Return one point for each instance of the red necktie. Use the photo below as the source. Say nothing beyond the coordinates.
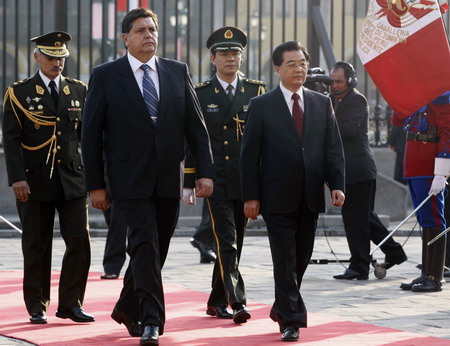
(297, 114)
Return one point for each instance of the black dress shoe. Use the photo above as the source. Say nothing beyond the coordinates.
(350, 274)
(427, 285)
(206, 254)
(219, 312)
(408, 285)
(107, 276)
(241, 315)
(38, 317)
(290, 333)
(150, 336)
(134, 327)
(76, 314)
(446, 273)
(391, 261)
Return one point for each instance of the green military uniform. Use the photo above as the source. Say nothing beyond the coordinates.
(225, 120)
(41, 142)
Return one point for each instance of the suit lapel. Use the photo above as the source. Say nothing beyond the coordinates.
(46, 98)
(282, 111)
(219, 96)
(238, 100)
(128, 81)
(307, 112)
(165, 90)
(64, 94)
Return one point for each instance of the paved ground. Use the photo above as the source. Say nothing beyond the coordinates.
(377, 302)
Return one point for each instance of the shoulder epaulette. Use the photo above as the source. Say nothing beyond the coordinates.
(21, 82)
(202, 84)
(73, 80)
(254, 81)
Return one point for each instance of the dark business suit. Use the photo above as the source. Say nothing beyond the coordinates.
(27, 138)
(144, 166)
(360, 221)
(287, 173)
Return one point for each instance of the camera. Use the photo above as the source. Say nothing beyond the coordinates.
(317, 80)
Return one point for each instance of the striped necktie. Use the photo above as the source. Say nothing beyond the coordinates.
(230, 92)
(150, 94)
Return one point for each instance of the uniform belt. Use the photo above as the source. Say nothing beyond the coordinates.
(422, 137)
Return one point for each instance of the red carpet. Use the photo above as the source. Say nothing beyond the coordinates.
(186, 323)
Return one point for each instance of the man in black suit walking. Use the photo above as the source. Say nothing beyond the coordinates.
(291, 147)
(139, 111)
(360, 221)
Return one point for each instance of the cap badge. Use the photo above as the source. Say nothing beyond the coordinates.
(228, 34)
(58, 44)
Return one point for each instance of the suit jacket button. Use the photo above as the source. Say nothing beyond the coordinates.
(59, 161)
(225, 127)
(226, 142)
(227, 158)
(58, 119)
(59, 133)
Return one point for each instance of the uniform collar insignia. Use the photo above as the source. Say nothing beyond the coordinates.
(40, 90)
(242, 90)
(216, 90)
(66, 90)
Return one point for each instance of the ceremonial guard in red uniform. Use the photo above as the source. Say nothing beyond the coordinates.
(426, 168)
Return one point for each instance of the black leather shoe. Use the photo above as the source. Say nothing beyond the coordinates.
(219, 312)
(206, 254)
(406, 286)
(290, 334)
(427, 285)
(107, 276)
(76, 314)
(241, 315)
(446, 273)
(391, 261)
(134, 327)
(350, 274)
(150, 336)
(38, 317)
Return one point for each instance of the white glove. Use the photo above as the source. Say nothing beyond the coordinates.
(438, 184)
(188, 196)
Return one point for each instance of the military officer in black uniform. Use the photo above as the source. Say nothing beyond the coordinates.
(224, 100)
(41, 130)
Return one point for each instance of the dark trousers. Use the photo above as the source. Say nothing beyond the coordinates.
(291, 238)
(229, 223)
(151, 223)
(204, 232)
(362, 225)
(37, 220)
(116, 240)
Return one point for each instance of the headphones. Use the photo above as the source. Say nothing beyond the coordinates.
(349, 72)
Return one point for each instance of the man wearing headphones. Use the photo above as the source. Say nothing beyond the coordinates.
(361, 223)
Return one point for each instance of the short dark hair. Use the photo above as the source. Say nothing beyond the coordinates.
(140, 12)
(277, 54)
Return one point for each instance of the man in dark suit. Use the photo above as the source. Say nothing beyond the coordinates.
(41, 134)
(360, 221)
(291, 148)
(139, 111)
(224, 100)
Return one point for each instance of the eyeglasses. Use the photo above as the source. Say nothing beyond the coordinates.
(296, 66)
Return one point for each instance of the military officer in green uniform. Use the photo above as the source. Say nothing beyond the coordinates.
(41, 131)
(224, 100)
